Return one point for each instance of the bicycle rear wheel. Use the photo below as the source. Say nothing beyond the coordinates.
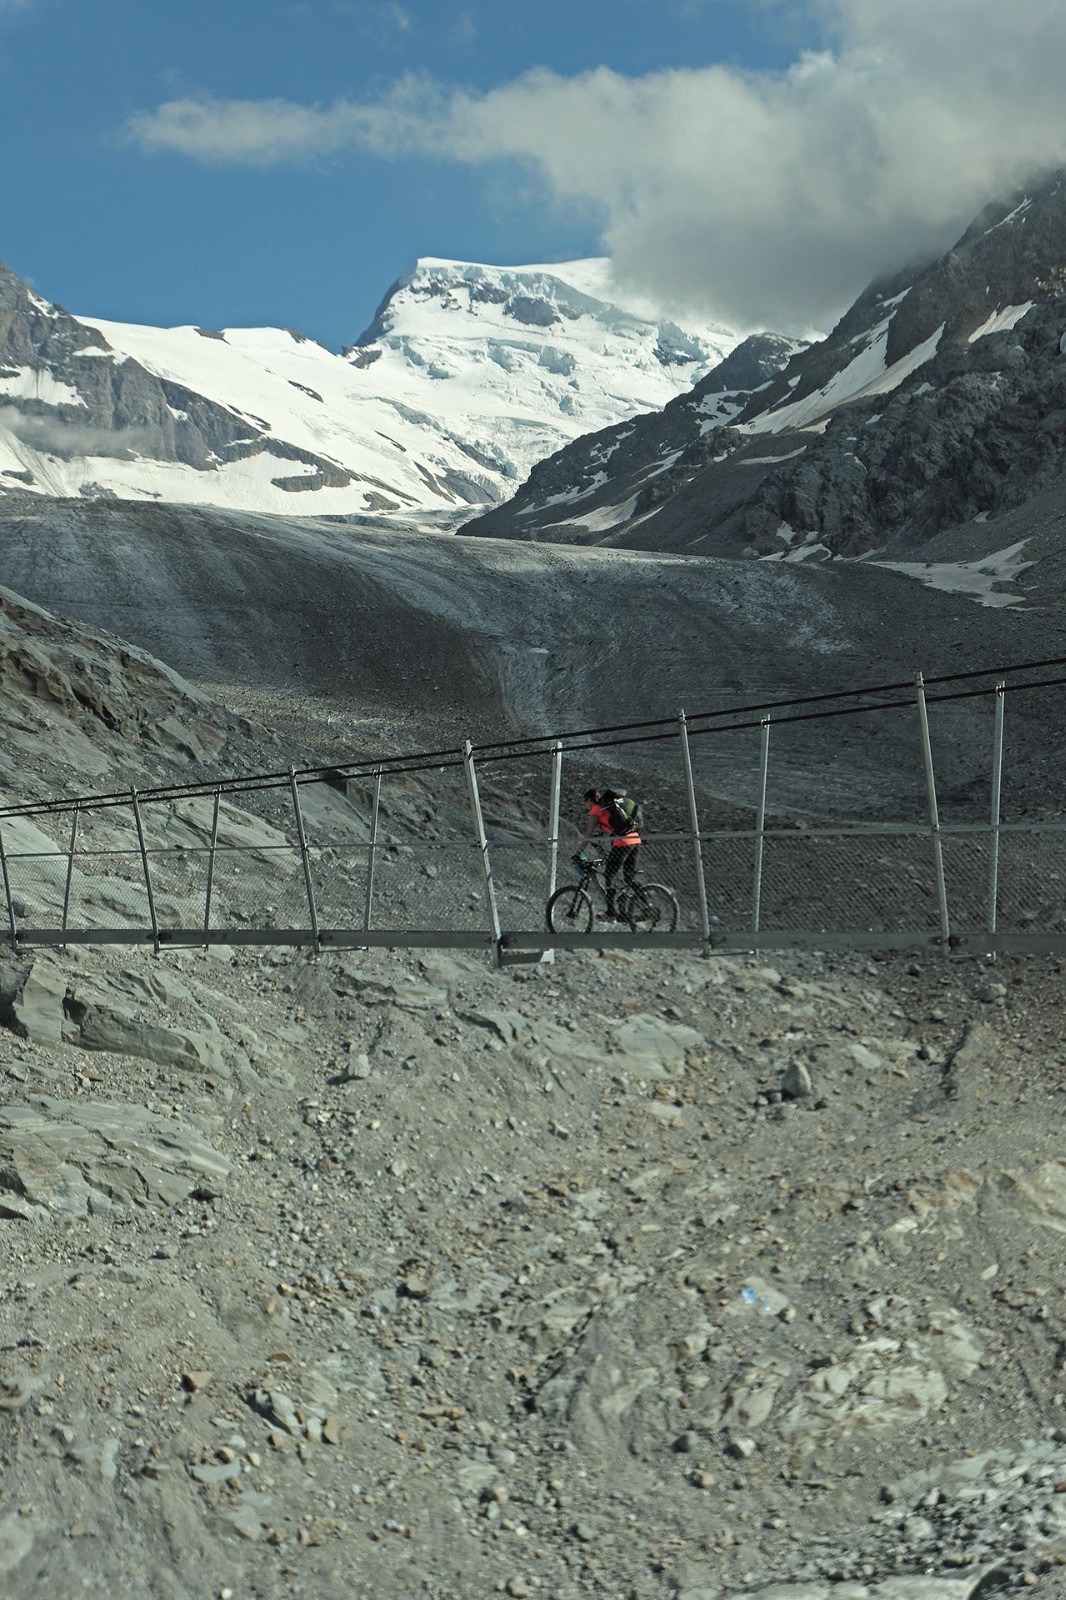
(652, 908)
(570, 910)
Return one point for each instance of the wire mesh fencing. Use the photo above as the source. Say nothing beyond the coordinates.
(472, 849)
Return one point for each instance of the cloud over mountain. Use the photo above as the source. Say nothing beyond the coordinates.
(765, 197)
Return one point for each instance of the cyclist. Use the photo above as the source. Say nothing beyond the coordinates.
(611, 814)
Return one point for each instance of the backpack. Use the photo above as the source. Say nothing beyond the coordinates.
(623, 815)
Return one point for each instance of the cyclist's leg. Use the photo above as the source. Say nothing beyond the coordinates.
(610, 872)
(632, 855)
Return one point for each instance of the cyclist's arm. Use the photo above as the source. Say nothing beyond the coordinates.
(592, 830)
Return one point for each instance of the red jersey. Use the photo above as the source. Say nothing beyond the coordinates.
(602, 816)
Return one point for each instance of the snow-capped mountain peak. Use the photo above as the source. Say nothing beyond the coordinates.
(517, 361)
(466, 377)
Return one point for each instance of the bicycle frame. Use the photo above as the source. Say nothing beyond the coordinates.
(635, 902)
(591, 872)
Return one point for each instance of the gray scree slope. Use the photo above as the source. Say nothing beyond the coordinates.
(676, 1281)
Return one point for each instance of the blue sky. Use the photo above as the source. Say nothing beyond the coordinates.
(108, 229)
(282, 161)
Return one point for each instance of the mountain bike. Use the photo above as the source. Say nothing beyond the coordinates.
(646, 907)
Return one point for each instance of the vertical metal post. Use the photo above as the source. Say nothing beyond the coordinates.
(760, 826)
(372, 857)
(997, 786)
(554, 810)
(12, 925)
(211, 867)
(483, 847)
(934, 814)
(694, 823)
(304, 858)
(147, 869)
(70, 866)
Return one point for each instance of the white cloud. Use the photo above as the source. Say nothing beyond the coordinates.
(768, 197)
(252, 132)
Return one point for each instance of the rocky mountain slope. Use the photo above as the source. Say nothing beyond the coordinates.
(604, 483)
(467, 376)
(382, 1274)
(938, 400)
(367, 640)
(83, 710)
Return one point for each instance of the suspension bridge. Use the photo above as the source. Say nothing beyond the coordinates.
(447, 848)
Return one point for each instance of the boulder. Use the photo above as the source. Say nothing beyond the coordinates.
(47, 1004)
(653, 1047)
(96, 1156)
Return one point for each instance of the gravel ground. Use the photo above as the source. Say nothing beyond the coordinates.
(385, 1275)
(599, 1278)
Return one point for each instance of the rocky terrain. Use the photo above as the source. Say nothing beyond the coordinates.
(392, 1274)
(600, 1279)
(610, 479)
(370, 638)
(660, 1277)
(937, 401)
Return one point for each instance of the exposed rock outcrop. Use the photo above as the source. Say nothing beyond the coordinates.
(939, 398)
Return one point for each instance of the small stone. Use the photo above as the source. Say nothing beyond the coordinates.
(354, 1071)
(245, 1520)
(331, 1432)
(97, 1459)
(687, 1444)
(796, 1083)
(741, 1447)
(211, 1473)
(519, 1588)
(196, 1380)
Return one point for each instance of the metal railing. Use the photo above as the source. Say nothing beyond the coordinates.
(454, 850)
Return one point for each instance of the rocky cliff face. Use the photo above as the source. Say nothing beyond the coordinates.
(970, 432)
(608, 482)
(65, 394)
(939, 398)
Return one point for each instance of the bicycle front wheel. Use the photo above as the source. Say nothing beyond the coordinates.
(652, 908)
(570, 911)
